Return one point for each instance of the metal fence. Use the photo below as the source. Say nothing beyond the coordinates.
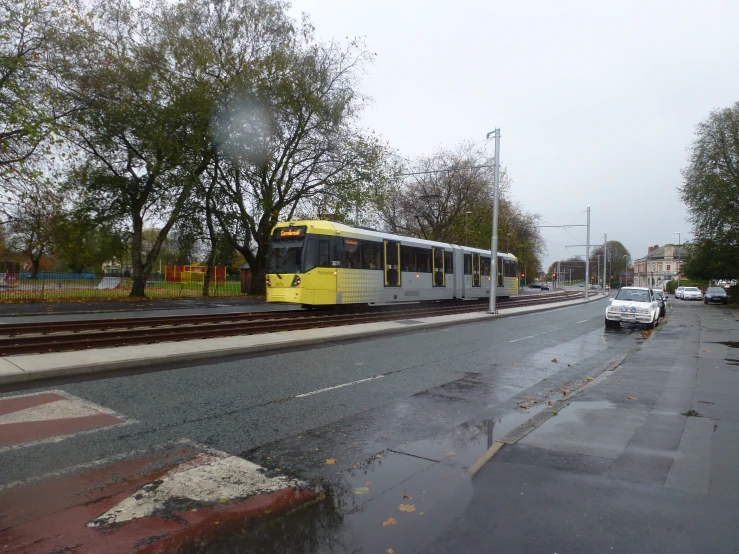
(53, 287)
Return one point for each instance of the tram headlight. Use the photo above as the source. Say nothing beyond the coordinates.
(269, 283)
(296, 281)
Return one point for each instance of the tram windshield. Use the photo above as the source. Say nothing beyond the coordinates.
(285, 256)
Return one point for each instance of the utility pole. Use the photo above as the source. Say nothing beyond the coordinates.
(587, 258)
(494, 245)
(558, 274)
(679, 256)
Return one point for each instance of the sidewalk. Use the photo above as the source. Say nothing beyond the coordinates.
(33, 367)
(644, 459)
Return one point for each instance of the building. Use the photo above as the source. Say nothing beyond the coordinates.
(661, 264)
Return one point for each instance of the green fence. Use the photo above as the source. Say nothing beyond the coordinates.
(60, 287)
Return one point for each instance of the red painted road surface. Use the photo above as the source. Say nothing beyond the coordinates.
(53, 515)
(49, 415)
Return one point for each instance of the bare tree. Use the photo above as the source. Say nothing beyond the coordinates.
(31, 218)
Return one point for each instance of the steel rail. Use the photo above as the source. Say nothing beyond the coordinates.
(287, 321)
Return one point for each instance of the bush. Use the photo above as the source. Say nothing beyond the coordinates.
(733, 293)
(670, 286)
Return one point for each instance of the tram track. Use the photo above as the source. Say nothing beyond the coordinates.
(35, 338)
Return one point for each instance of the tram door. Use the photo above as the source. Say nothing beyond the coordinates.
(475, 270)
(500, 271)
(438, 269)
(391, 251)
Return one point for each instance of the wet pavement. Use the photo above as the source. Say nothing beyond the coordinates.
(383, 429)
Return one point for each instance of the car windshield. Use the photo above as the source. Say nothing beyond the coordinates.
(657, 293)
(633, 295)
(692, 289)
(716, 290)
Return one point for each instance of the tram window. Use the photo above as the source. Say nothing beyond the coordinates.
(371, 255)
(316, 254)
(468, 264)
(423, 260)
(416, 259)
(448, 263)
(486, 267)
(352, 255)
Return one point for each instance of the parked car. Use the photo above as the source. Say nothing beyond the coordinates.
(692, 293)
(633, 305)
(581, 285)
(679, 292)
(545, 287)
(715, 295)
(660, 296)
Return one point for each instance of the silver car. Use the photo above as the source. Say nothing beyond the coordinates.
(692, 293)
(679, 292)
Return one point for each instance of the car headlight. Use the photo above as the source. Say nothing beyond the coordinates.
(642, 310)
(613, 309)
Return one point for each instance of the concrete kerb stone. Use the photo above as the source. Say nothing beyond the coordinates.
(15, 372)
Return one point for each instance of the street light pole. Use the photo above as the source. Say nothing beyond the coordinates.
(466, 242)
(587, 257)
(494, 242)
(679, 256)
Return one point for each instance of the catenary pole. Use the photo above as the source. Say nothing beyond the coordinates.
(587, 258)
(494, 243)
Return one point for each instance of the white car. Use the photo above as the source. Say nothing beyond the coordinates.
(679, 292)
(692, 293)
(633, 305)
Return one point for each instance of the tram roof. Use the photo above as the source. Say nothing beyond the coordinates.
(354, 232)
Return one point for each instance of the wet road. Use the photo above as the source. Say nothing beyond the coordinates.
(402, 413)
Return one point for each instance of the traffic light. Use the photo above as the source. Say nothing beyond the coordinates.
(523, 275)
(554, 275)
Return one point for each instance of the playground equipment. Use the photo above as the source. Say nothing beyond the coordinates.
(193, 273)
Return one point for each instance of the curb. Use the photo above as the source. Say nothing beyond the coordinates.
(117, 365)
(518, 433)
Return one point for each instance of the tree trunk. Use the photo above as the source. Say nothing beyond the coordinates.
(35, 263)
(209, 271)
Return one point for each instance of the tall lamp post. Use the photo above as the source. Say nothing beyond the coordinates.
(626, 271)
(466, 242)
(679, 256)
(494, 241)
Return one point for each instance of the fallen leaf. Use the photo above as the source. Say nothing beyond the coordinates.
(407, 507)
(225, 500)
(515, 364)
(354, 466)
(450, 452)
(367, 484)
(361, 490)
(549, 403)
(405, 495)
(631, 397)
(566, 391)
(267, 458)
(378, 455)
(555, 360)
(421, 514)
(356, 443)
(389, 521)
(331, 461)
(383, 436)
(704, 350)
(216, 523)
(525, 406)
(611, 363)
(390, 551)
(588, 378)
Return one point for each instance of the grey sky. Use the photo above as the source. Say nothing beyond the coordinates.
(596, 101)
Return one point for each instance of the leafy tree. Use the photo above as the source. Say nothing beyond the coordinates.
(711, 193)
(30, 106)
(83, 245)
(144, 135)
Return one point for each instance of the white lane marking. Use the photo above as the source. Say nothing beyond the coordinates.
(523, 338)
(338, 386)
(584, 320)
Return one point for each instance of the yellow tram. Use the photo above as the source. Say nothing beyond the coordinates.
(313, 262)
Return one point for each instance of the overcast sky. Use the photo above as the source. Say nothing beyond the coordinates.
(596, 101)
